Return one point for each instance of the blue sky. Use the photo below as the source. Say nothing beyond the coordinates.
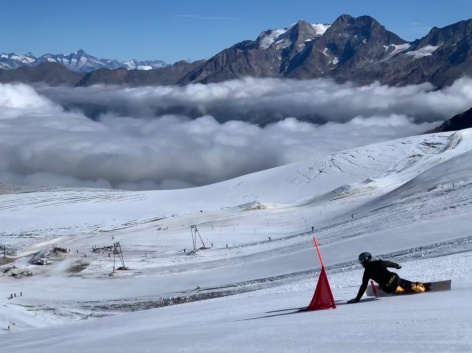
(194, 29)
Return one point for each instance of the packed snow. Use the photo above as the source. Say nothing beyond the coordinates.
(254, 264)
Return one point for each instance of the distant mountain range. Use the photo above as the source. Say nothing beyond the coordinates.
(356, 49)
(79, 61)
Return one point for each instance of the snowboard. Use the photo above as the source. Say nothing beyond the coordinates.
(437, 286)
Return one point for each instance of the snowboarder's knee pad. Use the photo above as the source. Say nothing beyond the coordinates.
(399, 290)
(417, 287)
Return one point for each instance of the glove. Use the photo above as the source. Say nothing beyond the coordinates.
(398, 267)
(352, 301)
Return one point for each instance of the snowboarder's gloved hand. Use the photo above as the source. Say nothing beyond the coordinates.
(398, 267)
(355, 300)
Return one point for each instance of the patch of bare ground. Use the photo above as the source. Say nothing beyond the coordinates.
(78, 267)
(7, 260)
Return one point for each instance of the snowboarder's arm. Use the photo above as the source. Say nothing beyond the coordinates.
(391, 264)
(363, 287)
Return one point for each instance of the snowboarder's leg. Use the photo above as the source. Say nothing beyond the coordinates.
(392, 285)
(412, 287)
(399, 290)
(405, 284)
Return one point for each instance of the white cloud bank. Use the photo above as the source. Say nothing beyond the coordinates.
(172, 137)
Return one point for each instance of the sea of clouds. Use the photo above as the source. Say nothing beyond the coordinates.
(182, 136)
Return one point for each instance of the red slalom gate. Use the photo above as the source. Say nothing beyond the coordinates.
(323, 297)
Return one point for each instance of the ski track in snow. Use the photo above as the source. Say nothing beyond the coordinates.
(354, 200)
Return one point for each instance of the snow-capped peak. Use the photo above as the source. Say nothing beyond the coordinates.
(267, 38)
(12, 61)
(282, 37)
(78, 61)
(25, 59)
(81, 52)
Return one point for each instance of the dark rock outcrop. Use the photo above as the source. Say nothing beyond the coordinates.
(457, 122)
(164, 76)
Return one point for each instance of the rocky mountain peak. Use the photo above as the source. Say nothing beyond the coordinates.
(343, 20)
(81, 52)
(295, 35)
(362, 28)
(298, 34)
(448, 35)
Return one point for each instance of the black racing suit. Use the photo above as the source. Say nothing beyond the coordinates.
(388, 281)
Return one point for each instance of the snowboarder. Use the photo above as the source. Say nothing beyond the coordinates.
(390, 282)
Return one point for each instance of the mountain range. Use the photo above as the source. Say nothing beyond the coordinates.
(79, 61)
(357, 49)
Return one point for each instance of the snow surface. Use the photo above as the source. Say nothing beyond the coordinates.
(270, 37)
(408, 200)
(320, 28)
(396, 49)
(422, 52)
(332, 60)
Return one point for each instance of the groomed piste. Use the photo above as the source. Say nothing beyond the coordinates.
(238, 285)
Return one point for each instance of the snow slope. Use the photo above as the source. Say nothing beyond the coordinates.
(407, 200)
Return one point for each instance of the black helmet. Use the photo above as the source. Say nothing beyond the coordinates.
(365, 257)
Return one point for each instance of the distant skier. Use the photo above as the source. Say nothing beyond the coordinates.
(390, 282)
